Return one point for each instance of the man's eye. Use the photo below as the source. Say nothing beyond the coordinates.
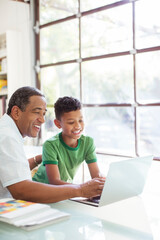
(37, 112)
(70, 122)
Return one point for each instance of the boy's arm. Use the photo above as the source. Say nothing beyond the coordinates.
(54, 175)
(94, 170)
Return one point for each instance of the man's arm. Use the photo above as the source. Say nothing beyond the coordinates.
(34, 162)
(45, 193)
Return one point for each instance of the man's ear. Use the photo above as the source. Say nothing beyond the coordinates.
(15, 112)
(57, 123)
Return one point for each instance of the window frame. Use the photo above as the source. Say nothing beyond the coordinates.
(133, 52)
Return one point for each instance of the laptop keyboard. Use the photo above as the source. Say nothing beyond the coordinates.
(94, 199)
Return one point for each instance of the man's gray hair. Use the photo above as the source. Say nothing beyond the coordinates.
(21, 96)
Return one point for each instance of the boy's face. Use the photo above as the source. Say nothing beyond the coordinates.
(72, 124)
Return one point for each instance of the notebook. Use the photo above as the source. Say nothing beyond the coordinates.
(29, 215)
(125, 179)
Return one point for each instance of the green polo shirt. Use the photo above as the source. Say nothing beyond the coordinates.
(68, 159)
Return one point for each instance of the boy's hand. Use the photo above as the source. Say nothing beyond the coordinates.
(92, 188)
(101, 176)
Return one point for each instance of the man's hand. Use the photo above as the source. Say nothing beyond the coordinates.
(92, 188)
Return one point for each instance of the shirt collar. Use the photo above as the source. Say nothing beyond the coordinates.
(13, 126)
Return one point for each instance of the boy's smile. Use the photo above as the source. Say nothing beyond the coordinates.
(72, 125)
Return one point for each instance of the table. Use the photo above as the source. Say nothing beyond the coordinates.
(125, 220)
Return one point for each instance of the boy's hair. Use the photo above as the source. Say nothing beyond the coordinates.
(21, 97)
(66, 104)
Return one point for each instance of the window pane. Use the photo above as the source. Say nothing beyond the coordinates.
(111, 80)
(60, 81)
(149, 130)
(51, 10)
(90, 4)
(48, 128)
(107, 31)
(111, 128)
(147, 23)
(148, 76)
(59, 42)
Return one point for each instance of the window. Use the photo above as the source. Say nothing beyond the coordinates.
(107, 54)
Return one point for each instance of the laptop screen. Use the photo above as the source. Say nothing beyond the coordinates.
(125, 179)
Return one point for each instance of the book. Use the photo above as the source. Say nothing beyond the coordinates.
(2, 105)
(1, 108)
(28, 215)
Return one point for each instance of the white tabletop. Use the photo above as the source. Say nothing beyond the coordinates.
(121, 221)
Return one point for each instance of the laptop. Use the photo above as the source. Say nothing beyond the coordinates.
(125, 179)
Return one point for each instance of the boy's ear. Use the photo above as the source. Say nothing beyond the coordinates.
(57, 123)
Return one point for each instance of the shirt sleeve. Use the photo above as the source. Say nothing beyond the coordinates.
(14, 166)
(49, 155)
(90, 153)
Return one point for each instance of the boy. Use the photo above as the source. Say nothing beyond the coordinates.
(63, 153)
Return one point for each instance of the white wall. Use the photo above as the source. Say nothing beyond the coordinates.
(3, 15)
(15, 16)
